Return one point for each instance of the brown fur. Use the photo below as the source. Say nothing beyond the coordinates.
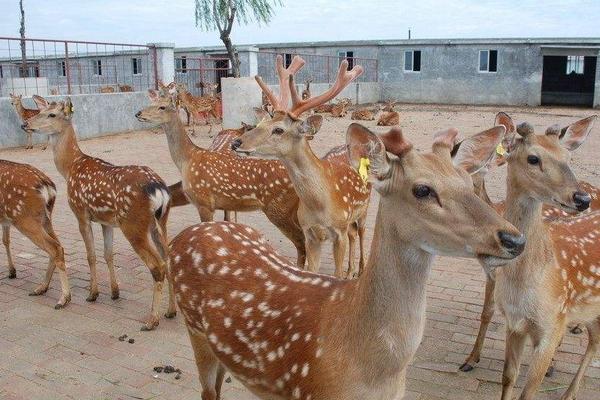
(107, 89)
(25, 114)
(26, 202)
(125, 88)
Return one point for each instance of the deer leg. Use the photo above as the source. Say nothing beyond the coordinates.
(45, 240)
(313, 251)
(515, 342)
(85, 227)
(107, 232)
(12, 272)
(150, 255)
(486, 316)
(340, 246)
(210, 371)
(45, 144)
(543, 350)
(29, 140)
(226, 215)
(163, 246)
(352, 235)
(362, 223)
(592, 348)
(206, 214)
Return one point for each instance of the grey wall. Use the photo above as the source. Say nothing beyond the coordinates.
(449, 74)
(95, 115)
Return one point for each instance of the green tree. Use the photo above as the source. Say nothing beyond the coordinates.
(221, 14)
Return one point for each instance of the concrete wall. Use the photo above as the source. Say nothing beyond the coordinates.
(95, 115)
(23, 86)
(449, 74)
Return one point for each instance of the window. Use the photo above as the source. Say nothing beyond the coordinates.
(288, 59)
(348, 55)
(62, 68)
(97, 65)
(1, 72)
(412, 61)
(575, 65)
(488, 60)
(136, 66)
(181, 64)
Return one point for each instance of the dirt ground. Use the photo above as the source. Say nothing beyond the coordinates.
(75, 353)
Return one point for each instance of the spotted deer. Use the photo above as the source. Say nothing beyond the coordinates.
(552, 215)
(194, 105)
(25, 114)
(364, 114)
(132, 198)
(389, 117)
(107, 89)
(340, 109)
(214, 180)
(333, 196)
(555, 281)
(26, 202)
(292, 334)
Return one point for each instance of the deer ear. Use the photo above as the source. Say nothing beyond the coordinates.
(68, 108)
(41, 103)
(575, 134)
(445, 140)
(261, 114)
(367, 152)
(476, 152)
(507, 122)
(311, 125)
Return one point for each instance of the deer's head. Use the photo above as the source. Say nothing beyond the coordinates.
(52, 117)
(277, 136)
(428, 198)
(162, 108)
(538, 165)
(15, 100)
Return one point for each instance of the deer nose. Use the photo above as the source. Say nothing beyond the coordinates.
(137, 114)
(236, 144)
(24, 126)
(582, 200)
(511, 242)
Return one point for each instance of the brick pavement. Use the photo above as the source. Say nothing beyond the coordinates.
(75, 353)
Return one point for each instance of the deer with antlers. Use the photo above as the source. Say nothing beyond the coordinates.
(291, 334)
(25, 114)
(389, 117)
(26, 202)
(333, 197)
(555, 281)
(132, 198)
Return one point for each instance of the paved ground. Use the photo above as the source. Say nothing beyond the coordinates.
(75, 353)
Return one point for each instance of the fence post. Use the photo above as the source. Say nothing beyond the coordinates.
(164, 61)
(67, 68)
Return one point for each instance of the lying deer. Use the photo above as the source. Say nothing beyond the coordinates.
(131, 198)
(26, 202)
(555, 281)
(389, 117)
(551, 214)
(364, 114)
(107, 89)
(340, 109)
(333, 197)
(25, 114)
(291, 334)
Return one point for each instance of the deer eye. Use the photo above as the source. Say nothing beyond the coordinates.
(277, 131)
(422, 191)
(533, 160)
(51, 115)
(162, 108)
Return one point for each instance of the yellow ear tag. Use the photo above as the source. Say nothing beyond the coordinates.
(500, 150)
(363, 168)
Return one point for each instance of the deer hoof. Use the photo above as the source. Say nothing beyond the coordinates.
(38, 291)
(92, 297)
(12, 274)
(170, 314)
(467, 367)
(114, 294)
(576, 330)
(150, 325)
(550, 371)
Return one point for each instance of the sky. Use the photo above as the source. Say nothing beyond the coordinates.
(144, 21)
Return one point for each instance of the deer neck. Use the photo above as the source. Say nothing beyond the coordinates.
(20, 108)
(307, 175)
(180, 145)
(65, 148)
(390, 301)
(525, 213)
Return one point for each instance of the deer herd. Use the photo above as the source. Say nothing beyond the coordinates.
(281, 328)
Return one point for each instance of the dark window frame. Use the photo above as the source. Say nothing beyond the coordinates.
(491, 61)
(416, 58)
